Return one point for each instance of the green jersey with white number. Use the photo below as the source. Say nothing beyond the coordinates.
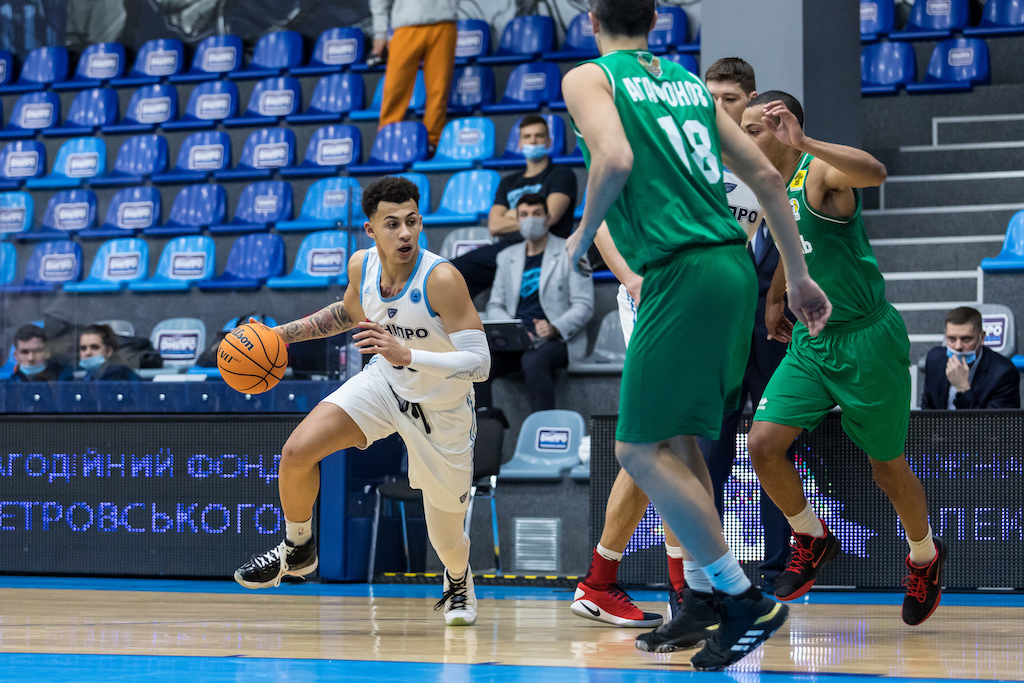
(674, 197)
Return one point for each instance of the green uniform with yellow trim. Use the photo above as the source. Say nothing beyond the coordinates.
(672, 224)
(860, 360)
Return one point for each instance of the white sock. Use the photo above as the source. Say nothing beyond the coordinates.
(610, 554)
(696, 579)
(298, 533)
(922, 552)
(726, 575)
(674, 551)
(807, 522)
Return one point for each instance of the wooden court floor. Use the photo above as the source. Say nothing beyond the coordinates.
(94, 629)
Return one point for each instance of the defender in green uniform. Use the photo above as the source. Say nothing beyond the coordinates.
(654, 142)
(859, 362)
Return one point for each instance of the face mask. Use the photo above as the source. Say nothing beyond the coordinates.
(92, 362)
(966, 356)
(532, 227)
(534, 152)
(32, 369)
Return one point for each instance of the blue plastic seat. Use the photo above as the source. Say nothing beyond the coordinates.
(328, 204)
(877, 18)
(50, 266)
(333, 97)
(395, 148)
(183, 262)
(609, 354)
(547, 447)
(473, 40)
(200, 155)
(99, 63)
(155, 61)
(89, 110)
(275, 53)
(322, 259)
(335, 49)
(418, 99)
(669, 30)
(463, 143)
(422, 183)
(149, 107)
(139, 157)
(179, 341)
(20, 160)
(209, 103)
(265, 150)
(933, 20)
(999, 18)
(252, 260)
(6, 68)
(955, 64)
(270, 100)
(67, 212)
(523, 39)
(117, 263)
(330, 149)
(77, 159)
(885, 67)
(461, 241)
(17, 210)
(8, 264)
(468, 197)
(687, 61)
(1011, 256)
(194, 208)
(42, 67)
(32, 113)
(579, 43)
(513, 158)
(215, 57)
(131, 210)
(259, 206)
(529, 87)
(472, 87)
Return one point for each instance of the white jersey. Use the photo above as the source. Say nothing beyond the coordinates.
(410, 318)
(743, 202)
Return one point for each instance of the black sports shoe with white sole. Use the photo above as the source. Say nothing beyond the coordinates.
(745, 622)
(266, 570)
(693, 623)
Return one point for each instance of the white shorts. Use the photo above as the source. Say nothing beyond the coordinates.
(441, 462)
(627, 312)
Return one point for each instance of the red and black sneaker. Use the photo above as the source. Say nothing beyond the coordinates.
(809, 555)
(924, 586)
(611, 605)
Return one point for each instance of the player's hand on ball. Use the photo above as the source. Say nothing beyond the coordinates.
(375, 339)
(809, 303)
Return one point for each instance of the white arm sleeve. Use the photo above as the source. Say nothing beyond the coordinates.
(471, 361)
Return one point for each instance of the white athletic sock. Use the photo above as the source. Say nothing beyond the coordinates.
(298, 533)
(807, 522)
(922, 552)
(674, 551)
(696, 579)
(609, 554)
(726, 575)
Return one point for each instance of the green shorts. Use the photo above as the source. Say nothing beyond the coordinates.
(689, 349)
(862, 367)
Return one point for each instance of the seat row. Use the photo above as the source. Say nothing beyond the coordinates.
(957, 64)
(939, 19)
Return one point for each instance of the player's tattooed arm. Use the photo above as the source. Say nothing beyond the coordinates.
(326, 322)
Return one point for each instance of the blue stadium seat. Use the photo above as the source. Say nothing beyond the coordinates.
(270, 100)
(933, 20)
(333, 97)
(275, 53)
(88, 111)
(183, 262)
(44, 66)
(579, 43)
(687, 61)
(609, 354)
(461, 241)
(330, 149)
(149, 107)
(67, 212)
(473, 40)
(328, 204)
(523, 39)
(259, 206)
(472, 87)
(574, 158)
(215, 57)
(691, 48)
(422, 183)
(418, 99)
(179, 341)
(548, 445)
(131, 210)
(17, 209)
(885, 67)
(999, 18)
(77, 159)
(8, 263)
(194, 208)
(117, 263)
(669, 30)
(877, 18)
(32, 113)
(467, 198)
(395, 148)
(156, 60)
(20, 160)
(578, 212)
(99, 63)
(955, 64)
(209, 103)
(529, 87)
(201, 155)
(335, 49)
(6, 67)
(50, 265)
(252, 259)
(513, 158)
(265, 150)
(139, 157)
(1011, 257)
(463, 143)
(322, 259)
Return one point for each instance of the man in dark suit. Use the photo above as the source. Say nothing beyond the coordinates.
(963, 374)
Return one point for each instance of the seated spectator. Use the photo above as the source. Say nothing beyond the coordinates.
(32, 352)
(97, 349)
(963, 374)
(540, 176)
(535, 283)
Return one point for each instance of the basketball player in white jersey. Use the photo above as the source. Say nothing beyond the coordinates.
(413, 314)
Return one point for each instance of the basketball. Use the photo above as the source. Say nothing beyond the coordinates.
(252, 359)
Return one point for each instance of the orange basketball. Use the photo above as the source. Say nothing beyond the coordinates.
(252, 359)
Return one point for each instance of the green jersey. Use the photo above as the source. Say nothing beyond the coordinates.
(838, 254)
(674, 197)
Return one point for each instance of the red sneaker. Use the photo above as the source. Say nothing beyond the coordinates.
(924, 586)
(809, 555)
(611, 606)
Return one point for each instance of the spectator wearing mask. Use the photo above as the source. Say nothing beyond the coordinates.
(31, 351)
(97, 349)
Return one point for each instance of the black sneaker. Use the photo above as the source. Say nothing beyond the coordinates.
(694, 623)
(809, 555)
(745, 621)
(265, 570)
(924, 587)
(675, 602)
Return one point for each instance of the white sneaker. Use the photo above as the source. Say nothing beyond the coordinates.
(459, 600)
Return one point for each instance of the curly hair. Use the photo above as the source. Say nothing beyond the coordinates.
(391, 189)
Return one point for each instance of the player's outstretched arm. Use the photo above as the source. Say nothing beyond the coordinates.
(334, 319)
